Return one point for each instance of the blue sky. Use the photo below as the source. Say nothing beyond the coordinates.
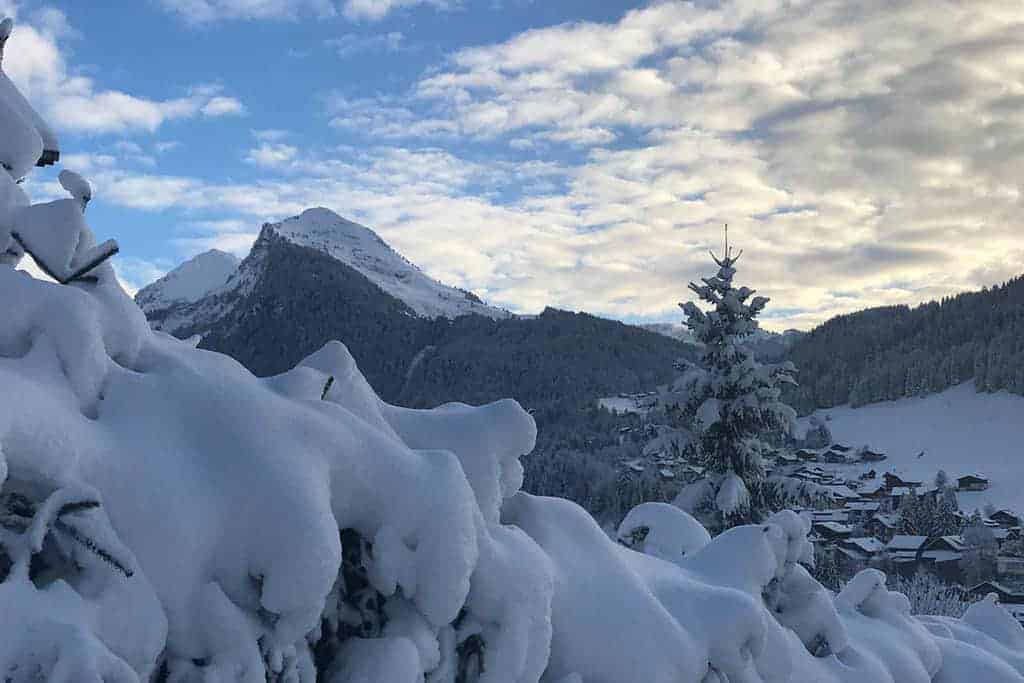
(574, 153)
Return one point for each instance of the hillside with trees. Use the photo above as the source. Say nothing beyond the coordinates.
(883, 354)
(298, 298)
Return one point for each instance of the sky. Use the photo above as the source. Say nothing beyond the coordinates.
(571, 153)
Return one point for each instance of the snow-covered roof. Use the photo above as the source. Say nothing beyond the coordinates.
(903, 542)
(842, 491)
(868, 544)
(862, 506)
(889, 520)
(942, 555)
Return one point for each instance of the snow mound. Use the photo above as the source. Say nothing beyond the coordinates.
(166, 515)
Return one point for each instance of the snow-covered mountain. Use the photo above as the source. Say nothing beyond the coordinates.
(208, 287)
(362, 249)
(167, 515)
(189, 282)
(958, 430)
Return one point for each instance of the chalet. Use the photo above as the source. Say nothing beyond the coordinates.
(838, 516)
(953, 544)
(972, 482)
(666, 473)
(883, 526)
(902, 550)
(944, 554)
(868, 476)
(867, 545)
(1005, 595)
(868, 455)
(806, 455)
(834, 457)
(1009, 565)
(841, 492)
(893, 480)
(1005, 519)
(839, 448)
(787, 458)
(858, 553)
(831, 531)
(861, 511)
(873, 491)
(898, 492)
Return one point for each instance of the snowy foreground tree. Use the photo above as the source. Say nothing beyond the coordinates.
(732, 402)
(167, 516)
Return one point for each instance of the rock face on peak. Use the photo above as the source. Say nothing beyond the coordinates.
(362, 249)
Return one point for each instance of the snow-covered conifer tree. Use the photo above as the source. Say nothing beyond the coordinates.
(733, 401)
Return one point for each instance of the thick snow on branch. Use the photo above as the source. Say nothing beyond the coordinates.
(166, 515)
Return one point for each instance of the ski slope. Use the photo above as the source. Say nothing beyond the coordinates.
(959, 431)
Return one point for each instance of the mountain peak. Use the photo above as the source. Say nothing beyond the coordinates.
(362, 249)
(190, 281)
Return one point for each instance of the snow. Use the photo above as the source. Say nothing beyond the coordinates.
(166, 515)
(23, 132)
(362, 249)
(190, 281)
(959, 431)
(669, 533)
(77, 186)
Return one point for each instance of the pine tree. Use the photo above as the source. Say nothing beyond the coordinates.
(979, 560)
(733, 402)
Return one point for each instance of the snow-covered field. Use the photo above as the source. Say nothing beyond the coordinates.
(959, 431)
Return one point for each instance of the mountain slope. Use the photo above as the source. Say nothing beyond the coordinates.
(300, 287)
(883, 354)
(189, 282)
(363, 250)
(958, 430)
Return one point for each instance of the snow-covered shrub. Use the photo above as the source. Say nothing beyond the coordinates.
(929, 595)
(168, 516)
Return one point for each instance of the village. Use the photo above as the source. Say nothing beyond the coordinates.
(856, 517)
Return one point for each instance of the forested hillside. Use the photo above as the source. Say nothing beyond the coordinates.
(883, 354)
(297, 298)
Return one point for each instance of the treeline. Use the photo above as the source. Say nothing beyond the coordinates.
(883, 354)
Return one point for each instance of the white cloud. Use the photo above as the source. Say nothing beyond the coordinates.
(206, 11)
(73, 102)
(819, 130)
(374, 10)
(271, 154)
(220, 105)
(352, 44)
(863, 154)
(166, 146)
